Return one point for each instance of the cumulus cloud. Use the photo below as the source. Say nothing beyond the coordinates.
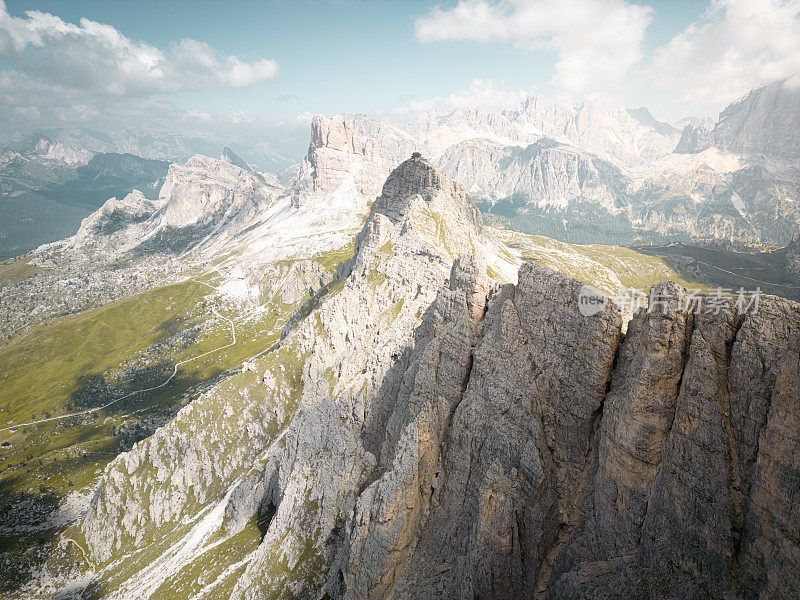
(96, 58)
(304, 118)
(737, 45)
(482, 93)
(596, 42)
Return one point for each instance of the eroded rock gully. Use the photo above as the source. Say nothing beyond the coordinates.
(670, 472)
(422, 434)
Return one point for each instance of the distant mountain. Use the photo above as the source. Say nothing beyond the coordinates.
(615, 175)
(273, 152)
(623, 136)
(705, 122)
(46, 188)
(204, 200)
(546, 187)
(645, 117)
(764, 122)
(38, 145)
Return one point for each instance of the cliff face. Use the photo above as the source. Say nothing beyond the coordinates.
(793, 259)
(766, 121)
(694, 138)
(422, 433)
(543, 174)
(676, 483)
(690, 496)
(352, 151)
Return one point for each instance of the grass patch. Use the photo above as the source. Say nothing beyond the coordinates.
(14, 271)
(330, 260)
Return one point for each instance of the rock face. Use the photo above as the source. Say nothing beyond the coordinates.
(793, 259)
(420, 433)
(353, 153)
(229, 156)
(766, 121)
(545, 174)
(483, 475)
(206, 192)
(688, 492)
(694, 138)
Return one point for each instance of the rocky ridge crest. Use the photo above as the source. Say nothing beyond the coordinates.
(422, 433)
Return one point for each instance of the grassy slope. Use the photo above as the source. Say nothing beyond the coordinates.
(732, 269)
(42, 371)
(12, 271)
(605, 267)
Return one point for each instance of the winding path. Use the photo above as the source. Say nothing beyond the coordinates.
(150, 389)
(746, 277)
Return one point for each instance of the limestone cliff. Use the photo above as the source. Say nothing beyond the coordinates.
(423, 433)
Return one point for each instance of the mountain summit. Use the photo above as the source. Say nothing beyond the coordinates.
(424, 425)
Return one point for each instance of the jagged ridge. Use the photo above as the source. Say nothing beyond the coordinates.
(422, 434)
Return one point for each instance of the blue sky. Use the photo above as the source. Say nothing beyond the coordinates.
(267, 62)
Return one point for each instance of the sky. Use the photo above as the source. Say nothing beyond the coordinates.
(255, 66)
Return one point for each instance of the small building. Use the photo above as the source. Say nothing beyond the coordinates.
(5, 445)
(416, 156)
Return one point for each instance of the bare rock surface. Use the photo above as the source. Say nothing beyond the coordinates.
(420, 433)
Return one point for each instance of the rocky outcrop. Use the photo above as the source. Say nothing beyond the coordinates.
(793, 259)
(229, 156)
(421, 433)
(351, 152)
(543, 174)
(694, 139)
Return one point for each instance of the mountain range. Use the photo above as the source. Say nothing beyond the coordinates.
(46, 188)
(574, 172)
(354, 378)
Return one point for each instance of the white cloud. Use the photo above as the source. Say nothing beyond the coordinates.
(28, 113)
(482, 93)
(596, 41)
(96, 58)
(737, 45)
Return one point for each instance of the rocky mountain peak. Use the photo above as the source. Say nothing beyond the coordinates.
(229, 156)
(421, 212)
(694, 138)
(39, 145)
(415, 178)
(36, 143)
(765, 121)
